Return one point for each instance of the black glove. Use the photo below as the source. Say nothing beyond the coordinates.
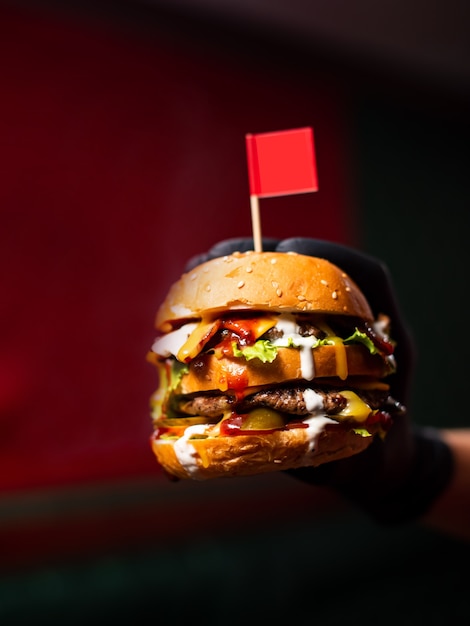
(395, 479)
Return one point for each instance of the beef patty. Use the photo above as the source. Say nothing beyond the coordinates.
(289, 400)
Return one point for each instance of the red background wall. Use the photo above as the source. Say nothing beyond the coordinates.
(122, 154)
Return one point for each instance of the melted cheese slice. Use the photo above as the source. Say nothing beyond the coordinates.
(196, 341)
(356, 409)
(341, 358)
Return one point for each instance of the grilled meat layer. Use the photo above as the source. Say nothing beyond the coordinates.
(289, 400)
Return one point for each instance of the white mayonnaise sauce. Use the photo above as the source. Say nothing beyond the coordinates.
(379, 326)
(313, 401)
(318, 420)
(185, 451)
(316, 425)
(290, 329)
(170, 344)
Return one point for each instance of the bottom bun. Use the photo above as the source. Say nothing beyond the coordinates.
(245, 455)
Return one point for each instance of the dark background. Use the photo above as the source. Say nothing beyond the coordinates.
(122, 154)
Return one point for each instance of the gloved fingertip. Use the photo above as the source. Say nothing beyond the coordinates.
(195, 261)
(301, 245)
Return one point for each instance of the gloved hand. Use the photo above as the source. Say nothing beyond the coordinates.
(397, 479)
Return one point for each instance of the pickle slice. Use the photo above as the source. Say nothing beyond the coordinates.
(263, 419)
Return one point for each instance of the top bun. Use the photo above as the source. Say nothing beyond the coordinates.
(274, 281)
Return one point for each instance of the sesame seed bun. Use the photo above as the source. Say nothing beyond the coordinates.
(296, 400)
(275, 281)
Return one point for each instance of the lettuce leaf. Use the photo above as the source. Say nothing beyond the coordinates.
(261, 349)
(362, 431)
(360, 337)
(177, 372)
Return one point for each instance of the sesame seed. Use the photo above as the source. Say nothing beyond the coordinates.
(301, 298)
(273, 261)
(324, 282)
(240, 284)
(279, 292)
(274, 284)
(193, 276)
(208, 287)
(249, 269)
(348, 288)
(334, 295)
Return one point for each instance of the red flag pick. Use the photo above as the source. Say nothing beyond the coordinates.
(279, 163)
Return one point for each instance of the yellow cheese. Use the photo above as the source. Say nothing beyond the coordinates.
(261, 325)
(341, 358)
(356, 409)
(203, 456)
(197, 340)
(340, 350)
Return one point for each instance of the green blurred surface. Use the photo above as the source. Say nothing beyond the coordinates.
(413, 175)
(306, 572)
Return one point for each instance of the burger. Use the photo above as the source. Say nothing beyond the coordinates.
(267, 361)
